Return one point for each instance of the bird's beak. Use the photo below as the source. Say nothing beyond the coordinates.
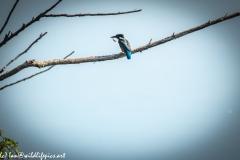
(113, 37)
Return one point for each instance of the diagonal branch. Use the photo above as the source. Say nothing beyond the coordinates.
(41, 35)
(90, 14)
(8, 37)
(26, 78)
(9, 16)
(33, 63)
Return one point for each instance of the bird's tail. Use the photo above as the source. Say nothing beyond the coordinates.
(128, 54)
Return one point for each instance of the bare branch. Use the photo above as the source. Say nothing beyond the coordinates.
(90, 14)
(26, 78)
(9, 15)
(181, 34)
(7, 38)
(33, 63)
(40, 36)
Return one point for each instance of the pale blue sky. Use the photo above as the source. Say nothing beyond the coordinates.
(170, 102)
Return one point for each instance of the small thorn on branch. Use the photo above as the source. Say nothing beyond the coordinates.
(173, 34)
(23, 25)
(226, 15)
(6, 36)
(150, 41)
(8, 33)
(209, 21)
(32, 18)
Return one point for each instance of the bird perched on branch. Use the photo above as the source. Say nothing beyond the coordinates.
(124, 45)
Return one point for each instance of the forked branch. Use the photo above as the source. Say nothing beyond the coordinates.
(24, 26)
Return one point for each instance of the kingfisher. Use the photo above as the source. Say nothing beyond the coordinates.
(124, 45)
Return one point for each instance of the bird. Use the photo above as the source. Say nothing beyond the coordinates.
(124, 45)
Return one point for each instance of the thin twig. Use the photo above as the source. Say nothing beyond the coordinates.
(40, 36)
(26, 78)
(24, 26)
(90, 14)
(9, 15)
(150, 41)
(33, 63)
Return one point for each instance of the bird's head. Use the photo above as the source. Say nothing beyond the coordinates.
(118, 36)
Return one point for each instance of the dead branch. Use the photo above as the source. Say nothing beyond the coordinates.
(9, 15)
(89, 14)
(24, 26)
(33, 63)
(26, 78)
(8, 37)
(40, 36)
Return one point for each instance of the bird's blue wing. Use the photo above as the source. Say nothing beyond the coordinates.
(125, 46)
(128, 45)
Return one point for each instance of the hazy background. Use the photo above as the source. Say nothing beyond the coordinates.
(176, 101)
